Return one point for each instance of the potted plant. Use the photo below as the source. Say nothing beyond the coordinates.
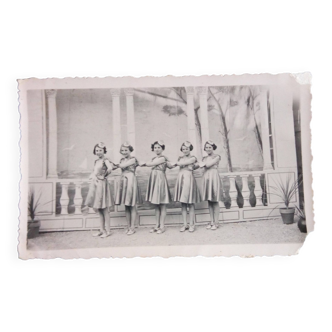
(33, 223)
(302, 225)
(286, 190)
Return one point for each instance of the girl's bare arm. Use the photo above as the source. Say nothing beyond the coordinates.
(127, 163)
(170, 166)
(156, 161)
(186, 162)
(212, 162)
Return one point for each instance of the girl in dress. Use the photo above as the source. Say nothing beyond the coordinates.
(99, 196)
(157, 191)
(186, 190)
(212, 185)
(127, 192)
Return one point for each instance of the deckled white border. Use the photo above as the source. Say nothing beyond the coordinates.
(168, 81)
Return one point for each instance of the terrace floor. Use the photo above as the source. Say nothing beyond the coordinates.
(254, 232)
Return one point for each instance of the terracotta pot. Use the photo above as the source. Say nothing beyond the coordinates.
(302, 225)
(287, 215)
(33, 228)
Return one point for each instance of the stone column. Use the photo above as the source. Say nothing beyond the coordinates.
(130, 117)
(203, 112)
(283, 128)
(116, 124)
(191, 119)
(305, 113)
(265, 130)
(52, 134)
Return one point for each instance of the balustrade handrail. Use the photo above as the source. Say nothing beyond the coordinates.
(197, 174)
(200, 174)
(80, 180)
(242, 173)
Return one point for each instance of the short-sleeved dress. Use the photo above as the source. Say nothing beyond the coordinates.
(157, 189)
(186, 190)
(99, 195)
(127, 190)
(212, 185)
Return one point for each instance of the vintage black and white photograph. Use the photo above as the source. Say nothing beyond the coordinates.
(165, 166)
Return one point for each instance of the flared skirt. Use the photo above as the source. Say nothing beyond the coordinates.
(212, 189)
(99, 195)
(158, 190)
(186, 189)
(127, 190)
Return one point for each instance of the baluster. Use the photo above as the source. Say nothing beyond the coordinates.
(251, 186)
(90, 208)
(226, 187)
(233, 191)
(84, 191)
(58, 192)
(245, 190)
(239, 189)
(258, 190)
(71, 195)
(112, 182)
(263, 186)
(64, 200)
(78, 198)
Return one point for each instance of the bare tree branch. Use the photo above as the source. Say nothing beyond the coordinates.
(161, 96)
(179, 94)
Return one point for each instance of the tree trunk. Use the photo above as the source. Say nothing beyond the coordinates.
(251, 105)
(259, 139)
(198, 126)
(226, 141)
(224, 132)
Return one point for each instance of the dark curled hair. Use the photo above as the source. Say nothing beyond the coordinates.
(190, 147)
(94, 149)
(213, 146)
(156, 142)
(131, 149)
